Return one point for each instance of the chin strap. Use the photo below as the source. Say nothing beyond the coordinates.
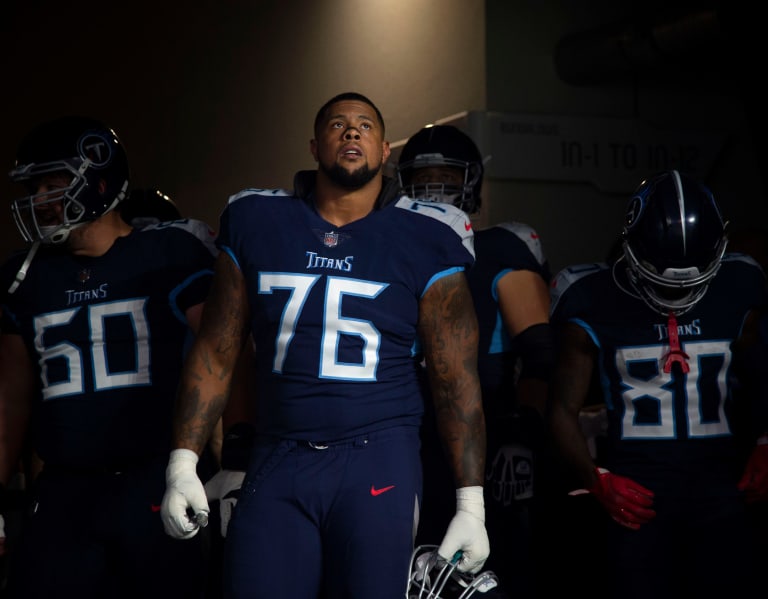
(22, 273)
(675, 354)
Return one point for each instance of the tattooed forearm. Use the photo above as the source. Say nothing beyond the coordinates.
(211, 361)
(448, 330)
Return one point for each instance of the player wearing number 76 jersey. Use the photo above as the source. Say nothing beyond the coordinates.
(335, 282)
(658, 325)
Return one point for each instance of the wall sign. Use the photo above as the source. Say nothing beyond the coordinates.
(611, 153)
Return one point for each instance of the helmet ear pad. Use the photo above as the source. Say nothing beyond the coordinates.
(674, 238)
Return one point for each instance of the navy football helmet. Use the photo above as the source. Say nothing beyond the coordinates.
(674, 238)
(82, 150)
(447, 146)
(145, 207)
(435, 578)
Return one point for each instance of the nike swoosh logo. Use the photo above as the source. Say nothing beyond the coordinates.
(467, 226)
(376, 492)
(154, 508)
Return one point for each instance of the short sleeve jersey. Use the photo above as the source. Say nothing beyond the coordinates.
(334, 310)
(662, 424)
(108, 336)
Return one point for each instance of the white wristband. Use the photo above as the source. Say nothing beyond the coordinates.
(763, 440)
(184, 455)
(180, 460)
(470, 499)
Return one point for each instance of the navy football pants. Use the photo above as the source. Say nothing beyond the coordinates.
(337, 520)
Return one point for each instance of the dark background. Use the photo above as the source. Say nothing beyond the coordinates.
(211, 97)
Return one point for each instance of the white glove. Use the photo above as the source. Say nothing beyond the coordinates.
(466, 533)
(184, 494)
(224, 487)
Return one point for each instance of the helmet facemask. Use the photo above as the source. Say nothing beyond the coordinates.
(37, 216)
(435, 578)
(674, 290)
(461, 195)
(75, 170)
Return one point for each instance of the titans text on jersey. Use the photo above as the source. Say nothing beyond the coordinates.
(100, 328)
(687, 416)
(327, 297)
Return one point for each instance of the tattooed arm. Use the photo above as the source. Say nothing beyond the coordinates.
(210, 364)
(204, 388)
(448, 330)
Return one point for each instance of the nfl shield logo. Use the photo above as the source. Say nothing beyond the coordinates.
(331, 239)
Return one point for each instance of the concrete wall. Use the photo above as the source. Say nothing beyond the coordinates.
(669, 79)
(212, 97)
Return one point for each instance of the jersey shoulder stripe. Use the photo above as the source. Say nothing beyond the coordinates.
(448, 214)
(253, 191)
(528, 235)
(570, 275)
(740, 257)
(197, 228)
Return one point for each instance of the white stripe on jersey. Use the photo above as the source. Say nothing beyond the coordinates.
(529, 235)
(198, 228)
(568, 276)
(448, 214)
(261, 192)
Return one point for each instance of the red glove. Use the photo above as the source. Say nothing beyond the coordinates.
(627, 502)
(754, 481)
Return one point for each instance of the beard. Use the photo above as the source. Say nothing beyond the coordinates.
(354, 180)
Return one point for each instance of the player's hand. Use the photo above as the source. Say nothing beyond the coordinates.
(466, 532)
(626, 501)
(754, 481)
(185, 507)
(224, 487)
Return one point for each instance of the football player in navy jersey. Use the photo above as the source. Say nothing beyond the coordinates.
(509, 285)
(660, 325)
(336, 281)
(96, 316)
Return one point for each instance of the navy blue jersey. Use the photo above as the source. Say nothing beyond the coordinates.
(108, 335)
(334, 309)
(664, 428)
(501, 249)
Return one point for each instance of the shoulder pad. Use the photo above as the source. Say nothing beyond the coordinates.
(570, 275)
(253, 191)
(198, 228)
(448, 214)
(529, 235)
